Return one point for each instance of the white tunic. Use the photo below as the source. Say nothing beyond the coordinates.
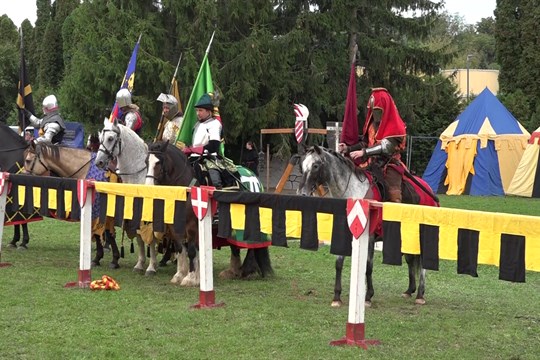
(206, 131)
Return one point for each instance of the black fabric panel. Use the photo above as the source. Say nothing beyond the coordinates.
(119, 210)
(536, 185)
(224, 223)
(137, 209)
(102, 207)
(14, 194)
(44, 202)
(28, 206)
(341, 237)
(279, 233)
(76, 207)
(467, 262)
(252, 228)
(159, 215)
(392, 242)
(429, 246)
(180, 217)
(309, 239)
(512, 261)
(60, 204)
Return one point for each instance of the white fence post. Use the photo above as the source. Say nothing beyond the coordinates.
(207, 295)
(85, 192)
(355, 329)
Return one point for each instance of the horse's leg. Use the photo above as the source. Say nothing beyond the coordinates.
(141, 258)
(250, 267)
(115, 252)
(421, 272)
(16, 236)
(370, 291)
(412, 276)
(193, 277)
(182, 266)
(262, 257)
(99, 251)
(168, 253)
(151, 270)
(26, 236)
(234, 271)
(336, 302)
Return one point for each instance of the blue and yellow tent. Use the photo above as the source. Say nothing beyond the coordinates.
(526, 181)
(479, 152)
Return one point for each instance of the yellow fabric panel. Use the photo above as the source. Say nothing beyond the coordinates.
(52, 198)
(509, 152)
(490, 226)
(293, 222)
(523, 180)
(459, 164)
(169, 194)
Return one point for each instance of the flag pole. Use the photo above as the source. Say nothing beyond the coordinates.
(161, 125)
(22, 82)
(210, 43)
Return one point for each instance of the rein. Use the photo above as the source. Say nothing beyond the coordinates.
(36, 158)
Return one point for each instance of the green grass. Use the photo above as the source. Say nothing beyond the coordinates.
(284, 317)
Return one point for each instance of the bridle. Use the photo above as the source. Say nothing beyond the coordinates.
(154, 177)
(37, 157)
(110, 152)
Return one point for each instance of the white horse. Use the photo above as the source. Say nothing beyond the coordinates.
(119, 142)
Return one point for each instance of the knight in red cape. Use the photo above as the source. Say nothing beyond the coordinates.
(383, 139)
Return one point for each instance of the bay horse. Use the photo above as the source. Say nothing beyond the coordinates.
(168, 165)
(43, 159)
(12, 149)
(330, 169)
(121, 144)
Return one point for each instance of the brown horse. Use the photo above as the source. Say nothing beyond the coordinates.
(73, 163)
(167, 165)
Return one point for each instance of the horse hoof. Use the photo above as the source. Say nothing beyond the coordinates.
(367, 303)
(420, 302)
(336, 304)
(162, 264)
(177, 279)
(229, 274)
(150, 273)
(12, 246)
(22, 247)
(137, 270)
(406, 295)
(114, 266)
(95, 263)
(187, 282)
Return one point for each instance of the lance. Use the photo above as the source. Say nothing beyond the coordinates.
(161, 124)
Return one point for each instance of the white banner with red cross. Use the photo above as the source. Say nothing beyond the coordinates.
(2, 182)
(357, 216)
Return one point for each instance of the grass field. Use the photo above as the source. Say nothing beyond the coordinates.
(286, 316)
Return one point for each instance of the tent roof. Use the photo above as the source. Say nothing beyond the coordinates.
(485, 115)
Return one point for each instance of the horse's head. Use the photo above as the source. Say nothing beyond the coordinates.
(315, 170)
(33, 163)
(155, 163)
(110, 144)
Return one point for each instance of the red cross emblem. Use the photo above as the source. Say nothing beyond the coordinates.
(82, 186)
(199, 201)
(357, 216)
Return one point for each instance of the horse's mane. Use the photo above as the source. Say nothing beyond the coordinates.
(174, 162)
(345, 161)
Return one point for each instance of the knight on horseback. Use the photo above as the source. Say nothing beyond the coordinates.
(382, 141)
(206, 151)
(51, 126)
(131, 116)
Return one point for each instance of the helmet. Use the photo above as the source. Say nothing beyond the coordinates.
(123, 98)
(205, 102)
(50, 104)
(171, 101)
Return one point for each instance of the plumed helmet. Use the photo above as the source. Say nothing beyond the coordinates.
(123, 98)
(171, 101)
(50, 104)
(205, 102)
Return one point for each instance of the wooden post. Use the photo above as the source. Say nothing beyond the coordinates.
(4, 176)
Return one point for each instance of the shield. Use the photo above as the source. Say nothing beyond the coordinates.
(199, 201)
(357, 216)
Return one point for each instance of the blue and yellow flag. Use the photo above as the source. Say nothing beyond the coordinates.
(129, 80)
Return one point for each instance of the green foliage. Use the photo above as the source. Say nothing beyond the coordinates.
(9, 65)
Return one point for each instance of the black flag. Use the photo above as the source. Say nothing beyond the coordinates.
(24, 96)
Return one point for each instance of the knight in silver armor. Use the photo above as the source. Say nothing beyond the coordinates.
(51, 126)
(131, 116)
(173, 115)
